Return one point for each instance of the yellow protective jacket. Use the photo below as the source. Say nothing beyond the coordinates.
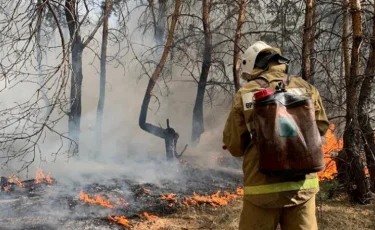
(261, 190)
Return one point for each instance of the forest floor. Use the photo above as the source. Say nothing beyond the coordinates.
(332, 214)
(185, 197)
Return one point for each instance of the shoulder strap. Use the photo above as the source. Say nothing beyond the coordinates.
(262, 81)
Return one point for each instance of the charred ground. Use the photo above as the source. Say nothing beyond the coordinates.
(78, 205)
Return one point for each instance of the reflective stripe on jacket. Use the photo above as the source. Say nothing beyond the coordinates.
(282, 187)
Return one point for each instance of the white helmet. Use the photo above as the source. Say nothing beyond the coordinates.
(250, 55)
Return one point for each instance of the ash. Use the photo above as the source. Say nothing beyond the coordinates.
(58, 205)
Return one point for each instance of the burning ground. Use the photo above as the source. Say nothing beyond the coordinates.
(133, 197)
(117, 203)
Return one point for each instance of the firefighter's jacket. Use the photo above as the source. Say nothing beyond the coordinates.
(261, 190)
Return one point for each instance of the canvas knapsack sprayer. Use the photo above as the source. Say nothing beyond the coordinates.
(286, 134)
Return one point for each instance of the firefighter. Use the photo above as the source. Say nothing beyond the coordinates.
(270, 200)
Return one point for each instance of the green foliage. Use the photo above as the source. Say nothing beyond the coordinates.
(327, 189)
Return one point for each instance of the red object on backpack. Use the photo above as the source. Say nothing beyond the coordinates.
(263, 93)
(225, 147)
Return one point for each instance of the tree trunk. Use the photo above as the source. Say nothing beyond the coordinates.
(198, 124)
(308, 40)
(342, 161)
(352, 135)
(39, 57)
(150, 128)
(76, 76)
(237, 48)
(76, 92)
(78, 45)
(103, 64)
(345, 41)
(160, 25)
(363, 110)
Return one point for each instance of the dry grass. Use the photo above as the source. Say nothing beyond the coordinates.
(340, 214)
(332, 215)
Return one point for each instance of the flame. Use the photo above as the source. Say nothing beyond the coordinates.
(170, 197)
(189, 201)
(146, 216)
(7, 188)
(48, 179)
(98, 200)
(367, 173)
(240, 191)
(214, 200)
(122, 202)
(39, 177)
(120, 220)
(14, 179)
(332, 145)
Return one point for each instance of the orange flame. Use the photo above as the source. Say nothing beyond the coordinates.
(120, 220)
(7, 188)
(170, 197)
(98, 200)
(122, 202)
(240, 191)
(39, 177)
(215, 199)
(146, 216)
(14, 179)
(189, 201)
(367, 173)
(332, 145)
(48, 179)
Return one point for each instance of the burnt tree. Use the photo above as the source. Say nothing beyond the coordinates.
(77, 47)
(198, 123)
(103, 65)
(352, 135)
(169, 134)
(39, 55)
(160, 24)
(308, 40)
(237, 48)
(364, 108)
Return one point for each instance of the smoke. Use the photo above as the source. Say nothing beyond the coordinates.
(127, 150)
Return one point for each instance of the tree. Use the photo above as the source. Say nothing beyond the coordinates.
(364, 107)
(169, 134)
(39, 54)
(198, 124)
(26, 123)
(103, 64)
(160, 24)
(343, 167)
(352, 136)
(308, 40)
(237, 48)
(77, 47)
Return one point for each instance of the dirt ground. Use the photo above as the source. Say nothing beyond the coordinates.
(337, 214)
